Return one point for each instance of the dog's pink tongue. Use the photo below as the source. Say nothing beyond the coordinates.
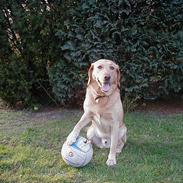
(105, 87)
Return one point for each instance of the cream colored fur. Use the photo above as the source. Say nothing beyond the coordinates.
(103, 108)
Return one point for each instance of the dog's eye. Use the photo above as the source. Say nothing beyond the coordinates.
(111, 67)
(99, 67)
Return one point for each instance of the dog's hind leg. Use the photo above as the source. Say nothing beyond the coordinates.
(91, 135)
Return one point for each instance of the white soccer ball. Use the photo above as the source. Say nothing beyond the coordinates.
(78, 154)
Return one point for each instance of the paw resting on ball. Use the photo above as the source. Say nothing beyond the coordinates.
(78, 154)
(71, 138)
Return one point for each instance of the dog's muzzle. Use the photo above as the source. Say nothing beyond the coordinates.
(105, 86)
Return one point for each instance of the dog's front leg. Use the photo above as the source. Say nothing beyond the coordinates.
(111, 161)
(85, 119)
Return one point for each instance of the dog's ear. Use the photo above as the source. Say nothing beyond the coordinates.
(118, 77)
(90, 74)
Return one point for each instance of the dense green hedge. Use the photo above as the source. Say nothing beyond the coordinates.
(27, 34)
(57, 40)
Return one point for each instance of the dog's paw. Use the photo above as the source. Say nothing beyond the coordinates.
(71, 138)
(111, 162)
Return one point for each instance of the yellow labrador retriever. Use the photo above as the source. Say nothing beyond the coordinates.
(103, 107)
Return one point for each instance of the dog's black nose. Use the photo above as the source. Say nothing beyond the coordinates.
(107, 78)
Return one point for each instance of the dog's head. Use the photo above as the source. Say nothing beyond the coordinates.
(105, 73)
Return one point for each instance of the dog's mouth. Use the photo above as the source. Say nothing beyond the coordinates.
(105, 86)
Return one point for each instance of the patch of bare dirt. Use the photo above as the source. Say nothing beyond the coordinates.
(20, 117)
(163, 107)
(50, 114)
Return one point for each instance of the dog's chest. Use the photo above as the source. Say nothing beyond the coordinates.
(103, 119)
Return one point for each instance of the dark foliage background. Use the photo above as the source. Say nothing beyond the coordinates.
(47, 46)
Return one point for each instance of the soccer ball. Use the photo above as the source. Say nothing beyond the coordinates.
(78, 154)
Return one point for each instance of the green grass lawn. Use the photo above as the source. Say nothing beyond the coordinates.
(30, 151)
